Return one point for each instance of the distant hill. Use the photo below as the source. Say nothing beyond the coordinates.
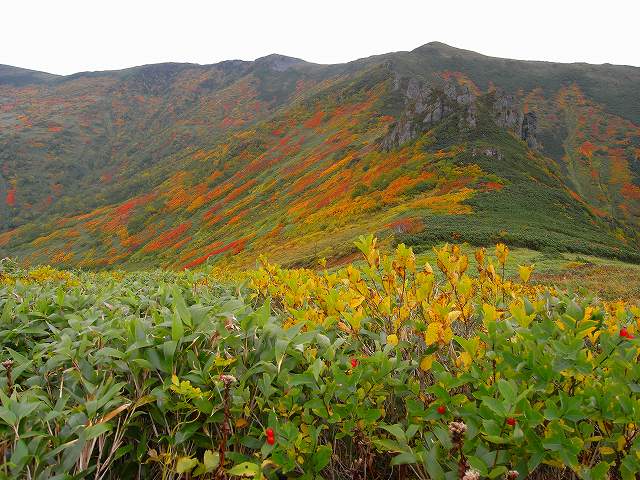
(178, 164)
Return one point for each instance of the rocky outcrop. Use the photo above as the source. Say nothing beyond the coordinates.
(508, 114)
(426, 105)
(529, 128)
(506, 111)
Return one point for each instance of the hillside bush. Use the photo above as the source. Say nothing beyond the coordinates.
(376, 368)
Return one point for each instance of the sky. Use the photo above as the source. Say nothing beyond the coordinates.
(68, 36)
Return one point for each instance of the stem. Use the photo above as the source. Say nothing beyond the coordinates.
(226, 429)
(8, 365)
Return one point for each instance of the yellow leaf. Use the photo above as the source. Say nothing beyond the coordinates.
(385, 305)
(241, 423)
(447, 335)
(490, 314)
(606, 450)
(501, 252)
(356, 301)
(463, 361)
(432, 334)
(525, 272)
(426, 362)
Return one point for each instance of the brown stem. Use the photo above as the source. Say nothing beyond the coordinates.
(8, 365)
(226, 429)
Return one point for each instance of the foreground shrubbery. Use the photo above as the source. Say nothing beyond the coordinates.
(348, 374)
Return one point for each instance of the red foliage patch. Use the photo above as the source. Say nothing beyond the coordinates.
(11, 197)
(167, 238)
(235, 247)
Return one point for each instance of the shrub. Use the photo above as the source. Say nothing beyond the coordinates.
(317, 374)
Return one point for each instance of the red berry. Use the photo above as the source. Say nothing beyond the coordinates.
(269, 432)
(624, 333)
(511, 421)
(354, 363)
(271, 440)
(442, 409)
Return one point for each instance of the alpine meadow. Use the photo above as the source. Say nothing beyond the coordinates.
(417, 265)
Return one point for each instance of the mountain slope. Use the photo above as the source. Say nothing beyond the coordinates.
(178, 164)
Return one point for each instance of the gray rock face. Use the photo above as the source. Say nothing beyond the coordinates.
(529, 129)
(508, 114)
(507, 111)
(426, 105)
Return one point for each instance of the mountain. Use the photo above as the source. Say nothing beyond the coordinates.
(179, 164)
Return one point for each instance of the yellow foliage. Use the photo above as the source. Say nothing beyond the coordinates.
(392, 295)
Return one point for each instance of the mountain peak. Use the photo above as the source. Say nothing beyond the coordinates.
(279, 63)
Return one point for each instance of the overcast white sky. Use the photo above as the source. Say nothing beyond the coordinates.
(68, 36)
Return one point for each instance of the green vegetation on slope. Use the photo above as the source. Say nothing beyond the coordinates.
(178, 165)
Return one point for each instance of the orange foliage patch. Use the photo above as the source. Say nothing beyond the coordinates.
(275, 232)
(630, 191)
(587, 148)
(239, 190)
(619, 172)
(314, 121)
(6, 237)
(448, 203)
(407, 225)
(493, 186)
(182, 243)
(106, 178)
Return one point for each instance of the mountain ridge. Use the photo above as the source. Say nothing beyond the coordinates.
(280, 153)
(433, 44)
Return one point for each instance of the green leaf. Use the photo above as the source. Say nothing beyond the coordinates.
(246, 469)
(322, 457)
(316, 368)
(495, 439)
(8, 416)
(496, 472)
(600, 471)
(479, 465)
(180, 307)
(211, 460)
(397, 431)
(404, 458)
(96, 430)
(508, 390)
(177, 329)
(185, 464)
(433, 467)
